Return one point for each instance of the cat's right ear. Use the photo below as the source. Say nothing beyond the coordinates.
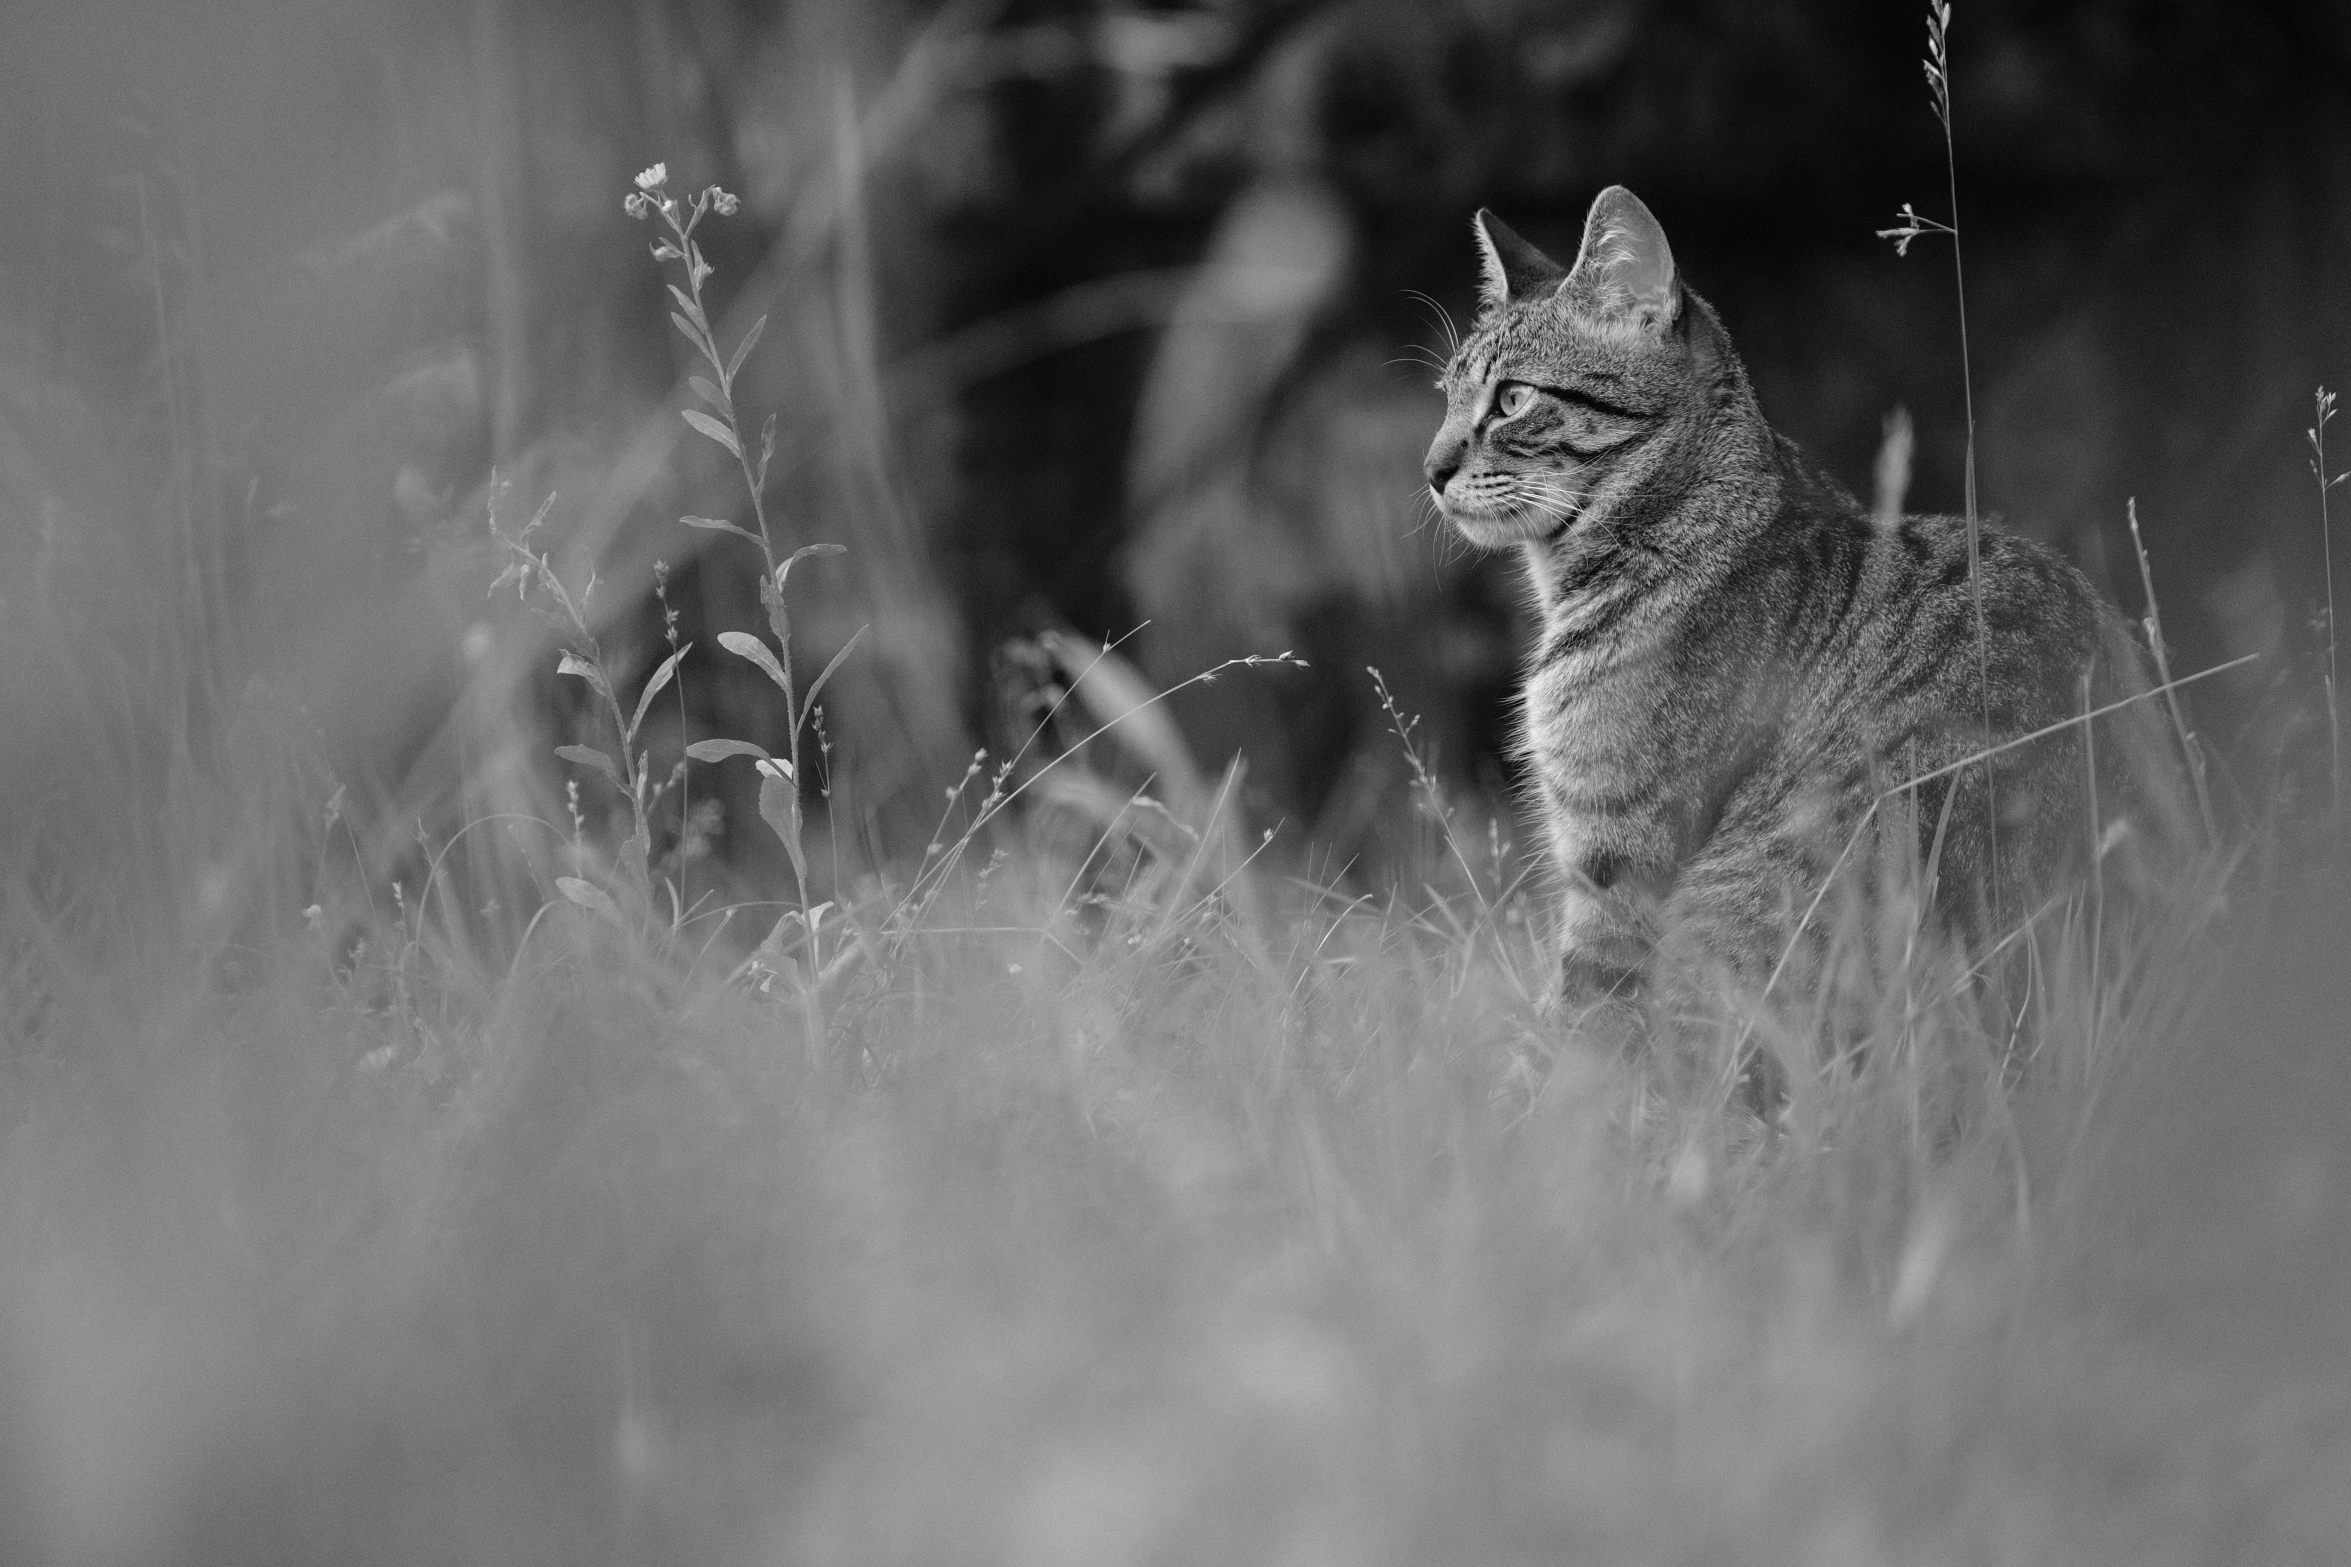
(1513, 268)
(1624, 274)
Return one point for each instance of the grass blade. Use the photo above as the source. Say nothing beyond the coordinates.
(808, 704)
(661, 677)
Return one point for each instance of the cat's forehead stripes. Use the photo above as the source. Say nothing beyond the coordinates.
(1472, 367)
(1515, 341)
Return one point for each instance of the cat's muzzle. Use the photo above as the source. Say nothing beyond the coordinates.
(1507, 525)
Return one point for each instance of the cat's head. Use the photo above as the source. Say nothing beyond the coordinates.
(1579, 386)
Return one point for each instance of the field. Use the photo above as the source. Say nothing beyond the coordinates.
(459, 1105)
(1098, 1212)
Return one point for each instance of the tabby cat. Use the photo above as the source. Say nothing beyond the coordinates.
(1734, 660)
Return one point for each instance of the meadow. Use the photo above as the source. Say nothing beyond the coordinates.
(597, 1138)
(1101, 1186)
(1124, 1227)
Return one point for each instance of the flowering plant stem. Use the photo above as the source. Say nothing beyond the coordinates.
(780, 774)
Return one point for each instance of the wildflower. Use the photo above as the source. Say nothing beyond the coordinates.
(653, 178)
(636, 205)
(724, 202)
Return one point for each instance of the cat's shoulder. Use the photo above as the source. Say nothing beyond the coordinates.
(1809, 491)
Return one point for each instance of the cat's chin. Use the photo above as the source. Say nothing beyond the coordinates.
(1503, 529)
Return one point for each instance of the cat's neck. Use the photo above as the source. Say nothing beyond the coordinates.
(1728, 495)
(1716, 488)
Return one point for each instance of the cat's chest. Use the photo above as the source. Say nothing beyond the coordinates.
(1596, 683)
(1622, 708)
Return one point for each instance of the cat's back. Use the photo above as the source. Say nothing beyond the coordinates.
(1908, 676)
(1898, 623)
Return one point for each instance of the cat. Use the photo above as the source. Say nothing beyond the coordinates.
(1734, 660)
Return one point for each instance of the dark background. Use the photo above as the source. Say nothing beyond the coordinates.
(1085, 316)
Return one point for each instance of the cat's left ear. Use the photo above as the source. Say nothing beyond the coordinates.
(1625, 270)
(1512, 268)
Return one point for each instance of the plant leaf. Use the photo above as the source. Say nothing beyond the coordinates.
(590, 896)
(589, 756)
(804, 552)
(710, 394)
(720, 750)
(693, 333)
(661, 676)
(744, 645)
(573, 664)
(743, 349)
(720, 525)
(685, 301)
(808, 702)
(712, 428)
(779, 804)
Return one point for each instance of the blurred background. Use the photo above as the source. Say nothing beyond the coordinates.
(1085, 315)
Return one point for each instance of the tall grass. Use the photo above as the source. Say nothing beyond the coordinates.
(1913, 226)
(2322, 414)
(1109, 1226)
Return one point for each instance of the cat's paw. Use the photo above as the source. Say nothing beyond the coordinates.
(1602, 1003)
(1586, 980)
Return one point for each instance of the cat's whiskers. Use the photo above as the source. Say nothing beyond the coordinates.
(1551, 499)
(1444, 322)
(1428, 511)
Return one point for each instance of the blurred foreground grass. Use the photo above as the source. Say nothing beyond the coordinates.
(1117, 1228)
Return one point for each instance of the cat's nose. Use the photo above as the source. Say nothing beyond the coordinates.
(1444, 461)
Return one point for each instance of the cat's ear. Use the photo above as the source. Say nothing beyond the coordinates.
(1625, 272)
(1513, 268)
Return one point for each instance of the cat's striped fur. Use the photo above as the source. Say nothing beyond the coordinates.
(1734, 660)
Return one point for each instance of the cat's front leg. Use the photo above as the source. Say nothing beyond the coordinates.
(1607, 931)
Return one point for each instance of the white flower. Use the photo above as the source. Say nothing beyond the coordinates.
(654, 176)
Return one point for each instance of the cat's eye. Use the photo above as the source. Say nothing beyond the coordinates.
(1514, 398)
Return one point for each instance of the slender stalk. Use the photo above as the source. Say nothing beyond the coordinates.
(669, 632)
(2155, 644)
(2323, 412)
(2096, 998)
(1939, 75)
(500, 191)
(1912, 227)
(181, 462)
